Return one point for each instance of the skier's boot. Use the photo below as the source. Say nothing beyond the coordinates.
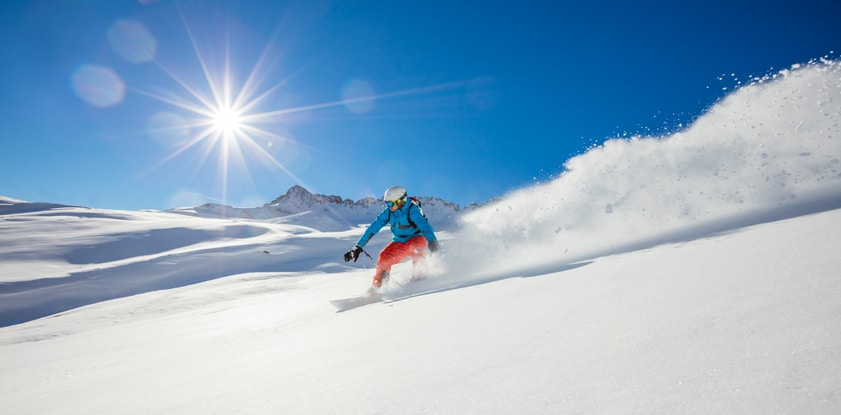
(380, 279)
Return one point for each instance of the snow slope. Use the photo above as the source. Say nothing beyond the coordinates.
(695, 273)
(743, 322)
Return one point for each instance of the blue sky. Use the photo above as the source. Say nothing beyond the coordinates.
(122, 104)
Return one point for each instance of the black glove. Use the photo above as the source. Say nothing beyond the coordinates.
(433, 246)
(353, 253)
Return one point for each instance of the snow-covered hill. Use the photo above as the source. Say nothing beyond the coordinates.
(71, 256)
(695, 273)
(745, 321)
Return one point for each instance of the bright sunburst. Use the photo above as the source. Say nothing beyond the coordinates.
(221, 114)
(224, 116)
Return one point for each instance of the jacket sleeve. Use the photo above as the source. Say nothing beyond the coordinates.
(375, 226)
(423, 224)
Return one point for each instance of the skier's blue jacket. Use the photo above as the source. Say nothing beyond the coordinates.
(401, 221)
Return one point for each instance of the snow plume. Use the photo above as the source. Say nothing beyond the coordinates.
(772, 146)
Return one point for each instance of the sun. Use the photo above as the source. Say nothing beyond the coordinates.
(227, 122)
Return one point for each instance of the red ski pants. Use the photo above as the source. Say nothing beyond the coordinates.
(395, 252)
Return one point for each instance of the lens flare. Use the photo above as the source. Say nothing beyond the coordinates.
(132, 41)
(98, 85)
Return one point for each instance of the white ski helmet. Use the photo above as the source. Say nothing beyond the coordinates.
(394, 193)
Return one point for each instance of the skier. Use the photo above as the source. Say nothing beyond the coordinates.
(411, 232)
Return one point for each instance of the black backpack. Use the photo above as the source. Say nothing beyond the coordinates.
(413, 200)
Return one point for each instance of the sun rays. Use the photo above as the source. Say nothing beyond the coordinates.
(227, 108)
(220, 114)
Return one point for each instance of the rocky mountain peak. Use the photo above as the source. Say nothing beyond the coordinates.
(326, 212)
(298, 199)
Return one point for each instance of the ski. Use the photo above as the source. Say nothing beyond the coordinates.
(396, 291)
(345, 304)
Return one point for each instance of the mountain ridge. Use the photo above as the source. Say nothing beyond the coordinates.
(299, 206)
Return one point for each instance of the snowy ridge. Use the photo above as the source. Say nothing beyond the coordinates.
(9, 201)
(299, 206)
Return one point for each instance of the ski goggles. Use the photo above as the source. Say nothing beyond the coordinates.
(392, 203)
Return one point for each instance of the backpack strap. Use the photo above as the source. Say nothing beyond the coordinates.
(412, 201)
(409, 214)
